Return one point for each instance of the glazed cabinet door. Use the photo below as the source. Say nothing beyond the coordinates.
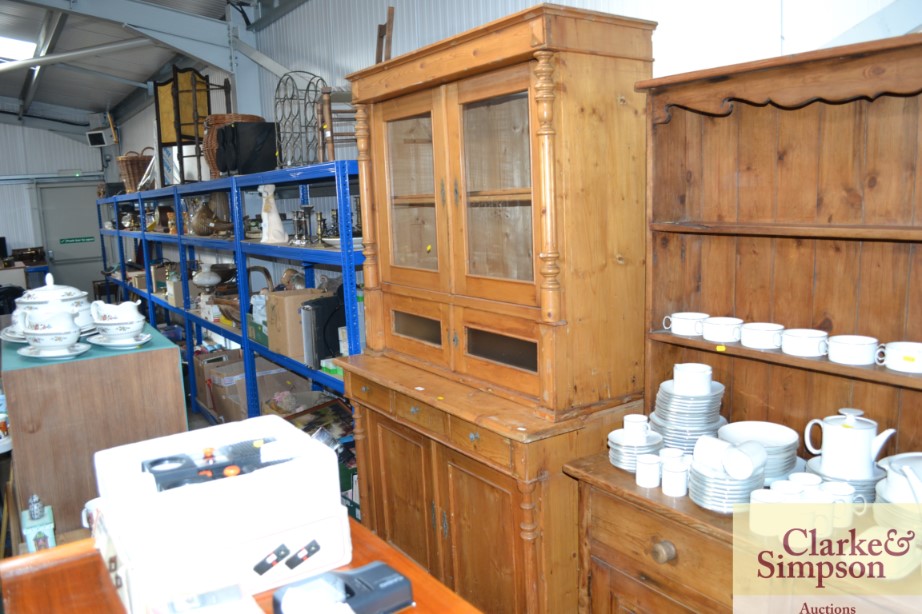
(404, 497)
(493, 186)
(410, 184)
(479, 518)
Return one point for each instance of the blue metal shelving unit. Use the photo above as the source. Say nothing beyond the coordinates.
(339, 173)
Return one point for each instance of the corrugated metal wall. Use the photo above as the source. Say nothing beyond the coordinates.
(27, 153)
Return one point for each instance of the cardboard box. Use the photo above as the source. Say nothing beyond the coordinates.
(200, 362)
(257, 331)
(228, 386)
(174, 292)
(283, 320)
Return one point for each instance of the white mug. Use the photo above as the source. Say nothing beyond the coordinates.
(905, 356)
(722, 329)
(761, 335)
(675, 478)
(806, 342)
(636, 429)
(852, 349)
(685, 323)
(691, 379)
(647, 474)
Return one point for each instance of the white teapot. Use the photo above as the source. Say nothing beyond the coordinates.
(850, 444)
(122, 312)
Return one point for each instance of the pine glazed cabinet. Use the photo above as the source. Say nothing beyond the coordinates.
(502, 171)
(502, 183)
(789, 190)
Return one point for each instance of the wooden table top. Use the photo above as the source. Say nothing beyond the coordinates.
(72, 579)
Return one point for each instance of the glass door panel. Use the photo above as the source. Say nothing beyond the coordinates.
(414, 236)
(497, 169)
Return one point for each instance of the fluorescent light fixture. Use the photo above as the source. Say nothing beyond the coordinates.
(12, 49)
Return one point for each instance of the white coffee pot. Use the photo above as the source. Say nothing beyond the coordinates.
(850, 444)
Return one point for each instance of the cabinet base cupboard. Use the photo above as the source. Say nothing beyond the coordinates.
(470, 484)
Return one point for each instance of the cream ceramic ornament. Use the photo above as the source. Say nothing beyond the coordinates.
(273, 231)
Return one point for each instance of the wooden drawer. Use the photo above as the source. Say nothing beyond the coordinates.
(480, 441)
(368, 392)
(420, 414)
(700, 575)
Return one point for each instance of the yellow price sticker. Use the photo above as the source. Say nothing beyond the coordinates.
(721, 348)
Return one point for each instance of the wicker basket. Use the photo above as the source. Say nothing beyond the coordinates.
(132, 166)
(210, 143)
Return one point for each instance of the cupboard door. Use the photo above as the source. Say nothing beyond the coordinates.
(410, 180)
(612, 592)
(479, 516)
(497, 348)
(417, 328)
(495, 233)
(405, 498)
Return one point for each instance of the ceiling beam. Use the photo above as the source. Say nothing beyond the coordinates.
(52, 26)
(66, 56)
(268, 12)
(199, 37)
(147, 87)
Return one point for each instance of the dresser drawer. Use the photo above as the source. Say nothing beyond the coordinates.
(370, 393)
(699, 569)
(420, 414)
(487, 444)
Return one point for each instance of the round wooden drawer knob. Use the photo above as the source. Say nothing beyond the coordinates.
(663, 552)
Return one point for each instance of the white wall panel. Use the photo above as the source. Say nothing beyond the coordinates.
(17, 220)
(30, 151)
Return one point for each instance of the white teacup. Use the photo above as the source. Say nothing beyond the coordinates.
(743, 459)
(761, 335)
(789, 491)
(763, 512)
(709, 451)
(807, 480)
(691, 379)
(905, 356)
(846, 502)
(806, 342)
(685, 323)
(722, 329)
(852, 349)
(674, 478)
(89, 513)
(636, 428)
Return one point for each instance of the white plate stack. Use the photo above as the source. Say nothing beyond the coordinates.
(779, 441)
(714, 490)
(623, 454)
(682, 418)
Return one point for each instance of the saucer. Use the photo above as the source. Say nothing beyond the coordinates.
(63, 354)
(617, 438)
(7, 334)
(120, 344)
(813, 466)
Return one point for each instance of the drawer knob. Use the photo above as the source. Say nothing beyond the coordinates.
(414, 409)
(663, 552)
(365, 389)
(473, 437)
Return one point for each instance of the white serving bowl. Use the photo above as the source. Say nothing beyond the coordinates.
(113, 329)
(50, 341)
